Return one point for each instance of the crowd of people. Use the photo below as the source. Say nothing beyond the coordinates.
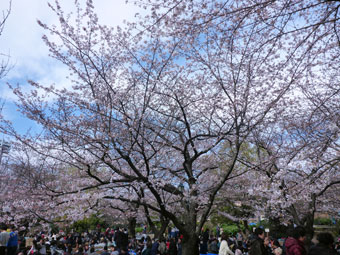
(294, 244)
(117, 242)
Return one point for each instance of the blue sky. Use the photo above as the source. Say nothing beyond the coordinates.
(21, 40)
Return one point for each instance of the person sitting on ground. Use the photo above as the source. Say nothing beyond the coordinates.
(239, 248)
(123, 251)
(277, 251)
(113, 250)
(295, 243)
(275, 247)
(213, 246)
(92, 251)
(80, 251)
(325, 245)
(105, 252)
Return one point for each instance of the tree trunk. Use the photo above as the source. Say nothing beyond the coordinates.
(246, 231)
(164, 224)
(309, 228)
(158, 232)
(190, 244)
(132, 226)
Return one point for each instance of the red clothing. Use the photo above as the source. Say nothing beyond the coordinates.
(295, 247)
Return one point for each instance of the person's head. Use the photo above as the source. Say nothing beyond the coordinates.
(123, 252)
(299, 233)
(105, 248)
(92, 249)
(275, 244)
(266, 241)
(259, 233)
(325, 239)
(3, 227)
(224, 236)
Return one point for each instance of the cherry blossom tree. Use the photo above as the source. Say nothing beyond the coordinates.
(300, 163)
(151, 106)
(4, 62)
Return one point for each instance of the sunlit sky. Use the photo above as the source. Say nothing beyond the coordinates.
(29, 60)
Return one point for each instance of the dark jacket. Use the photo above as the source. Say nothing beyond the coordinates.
(321, 250)
(154, 249)
(147, 251)
(172, 248)
(118, 239)
(257, 247)
(124, 240)
(294, 247)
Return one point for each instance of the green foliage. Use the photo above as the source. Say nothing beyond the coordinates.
(264, 224)
(220, 219)
(231, 229)
(243, 211)
(139, 229)
(277, 230)
(323, 221)
(54, 228)
(90, 223)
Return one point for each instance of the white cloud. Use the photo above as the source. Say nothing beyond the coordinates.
(21, 39)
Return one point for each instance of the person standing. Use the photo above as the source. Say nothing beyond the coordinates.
(124, 239)
(162, 247)
(218, 232)
(12, 244)
(172, 247)
(205, 240)
(179, 246)
(224, 247)
(295, 244)
(239, 236)
(4, 237)
(118, 239)
(257, 246)
(324, 247)
(154, 248)
(42, 250)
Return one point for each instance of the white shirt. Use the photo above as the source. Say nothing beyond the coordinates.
(224, 249)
